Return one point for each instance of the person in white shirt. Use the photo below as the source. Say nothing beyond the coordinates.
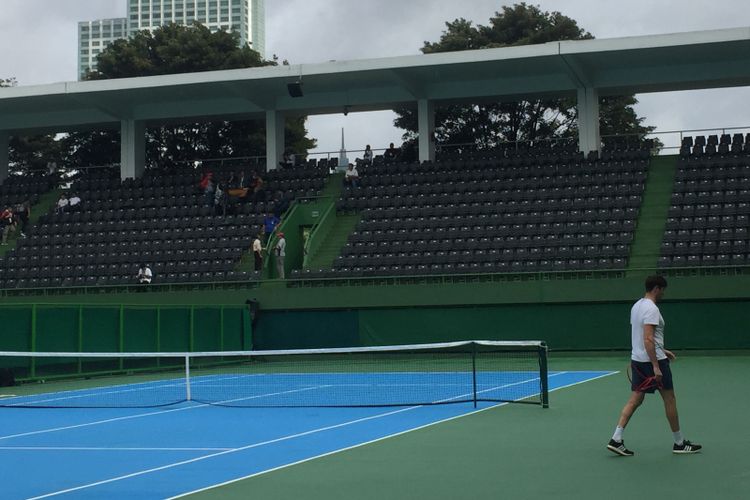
(650, 369)
(74, 203)
(258, 253)
(280, 254)
(145, 275)
(62, 204)
(351, 178)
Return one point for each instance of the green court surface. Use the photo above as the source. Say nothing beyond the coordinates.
(525, 452)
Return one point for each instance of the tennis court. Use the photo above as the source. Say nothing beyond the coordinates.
(434, 451)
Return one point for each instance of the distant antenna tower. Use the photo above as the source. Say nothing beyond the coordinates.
(343, 160)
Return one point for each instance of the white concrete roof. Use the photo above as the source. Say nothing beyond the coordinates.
(680, 61)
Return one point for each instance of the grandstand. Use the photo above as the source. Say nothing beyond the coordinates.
(544, 225)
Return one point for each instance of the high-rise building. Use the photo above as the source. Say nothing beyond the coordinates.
(246, 17)
(94, 36)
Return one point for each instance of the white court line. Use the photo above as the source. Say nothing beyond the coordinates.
(139, 415)
(96, 448)
(375, 440)
(263, 443)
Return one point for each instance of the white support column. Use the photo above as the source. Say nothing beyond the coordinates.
(589, 138)
(132, 149)
(426, 128)
(4, 154)
(274, 139)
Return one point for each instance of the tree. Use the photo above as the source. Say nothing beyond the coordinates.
(486, 126)
(30, 153)
(174, 49)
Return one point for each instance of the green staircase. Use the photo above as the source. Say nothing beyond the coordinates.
(337, 235)
(334, 242)
(644, 253)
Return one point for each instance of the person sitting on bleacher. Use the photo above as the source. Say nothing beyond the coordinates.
(74, 203)
(145, 275)
(62, 204)
(256, 188)
(351, 178)
(391, 154)
(280, 204)
(287, 160)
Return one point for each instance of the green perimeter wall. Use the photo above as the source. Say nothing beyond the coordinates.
(564, 326)
(92, 328)
(701, 312)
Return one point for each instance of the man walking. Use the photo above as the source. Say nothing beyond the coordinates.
(650, 369)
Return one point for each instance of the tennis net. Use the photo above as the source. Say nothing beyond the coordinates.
(409, 375)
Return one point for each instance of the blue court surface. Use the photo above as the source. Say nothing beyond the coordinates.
(119, 453)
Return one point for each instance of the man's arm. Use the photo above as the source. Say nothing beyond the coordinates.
(650, 344)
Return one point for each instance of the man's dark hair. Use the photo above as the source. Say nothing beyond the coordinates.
(654, 281)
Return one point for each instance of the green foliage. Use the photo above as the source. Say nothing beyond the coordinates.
(487, 125)
(174, 49)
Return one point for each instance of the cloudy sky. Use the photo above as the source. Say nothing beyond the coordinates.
(39, 45)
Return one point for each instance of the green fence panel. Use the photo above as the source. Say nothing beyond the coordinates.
(207, 329)
(15, 328)
(100, 331)
(570, 326)
(15, 335)
(174, 335)
(57, 329)
(140, 330)
(234, 329)
(706, 324)
(305, 329)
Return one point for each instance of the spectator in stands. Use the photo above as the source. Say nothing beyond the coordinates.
(287, 160)
(367, 156)
(7, 224)
(220, 201)
(280, 254)
(206, 185)
(270, 221)
(351, 178)
(256, 188)
(62, 204)
(258, 253)
(233, 180)
(391, 154)
(241, 180)
(145, 275)
(280, 204)
(74, 203)
(23, 212)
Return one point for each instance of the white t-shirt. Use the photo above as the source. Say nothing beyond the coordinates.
(145, 275)
(645, 312)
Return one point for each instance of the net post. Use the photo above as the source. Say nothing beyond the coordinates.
(187, 377)
(543, 374)
(474, 371)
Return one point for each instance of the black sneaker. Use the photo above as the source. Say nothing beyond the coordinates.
(619, 448)
(686, 447)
